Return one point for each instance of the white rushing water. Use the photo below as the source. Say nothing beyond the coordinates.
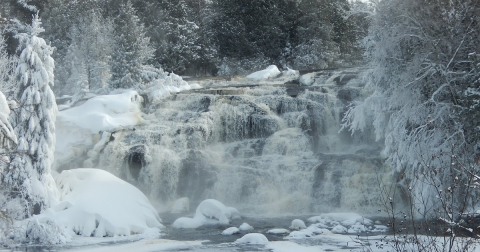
(264, 147)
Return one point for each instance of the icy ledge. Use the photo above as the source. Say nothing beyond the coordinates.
(94, 202)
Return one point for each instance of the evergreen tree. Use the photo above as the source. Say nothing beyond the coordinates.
(28, 183)
(131, 50)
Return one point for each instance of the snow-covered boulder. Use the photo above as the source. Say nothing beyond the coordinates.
(298, 224)
(231, 231)
(94, 202)
(300, 234)
(253, 238)
(245, 227)
(268, 73)
(278, 231)
(180, 205)
(209, 212)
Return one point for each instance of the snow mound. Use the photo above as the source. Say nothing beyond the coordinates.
(268, 73)
(253, 238)
(105, 112)
(94, 202)
(278, 231)
(298, 224)
(245, 227)
(231, 231)
(209, 212)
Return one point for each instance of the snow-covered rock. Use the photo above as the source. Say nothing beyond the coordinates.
(300, 234)
(231, 231)
(278, 231)
(268, 73)
(209, 212)
(298, 224)
(94, 202)
(253, 238)
(245, 227)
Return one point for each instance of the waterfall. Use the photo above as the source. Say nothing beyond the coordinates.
(263, 148)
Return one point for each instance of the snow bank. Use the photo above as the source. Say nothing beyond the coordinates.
(269, 73)
(253, 238)
(78, 128)
(209, 212)
(93, 202)
(105, 112)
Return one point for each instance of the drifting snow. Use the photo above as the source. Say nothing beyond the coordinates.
(253, 238)
(209, 212)
(269, 73)
(96, 203)
(231, 231)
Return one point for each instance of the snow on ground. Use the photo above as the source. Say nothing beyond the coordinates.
(268, 73)
(209, 212)
(93, 202)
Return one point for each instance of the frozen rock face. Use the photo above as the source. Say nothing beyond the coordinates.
(263, 147)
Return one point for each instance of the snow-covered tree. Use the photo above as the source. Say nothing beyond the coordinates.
(131, 50)
(424, 84)
(28, 184)
(7, 63)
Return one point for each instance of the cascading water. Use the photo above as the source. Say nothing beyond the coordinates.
(264, 148)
